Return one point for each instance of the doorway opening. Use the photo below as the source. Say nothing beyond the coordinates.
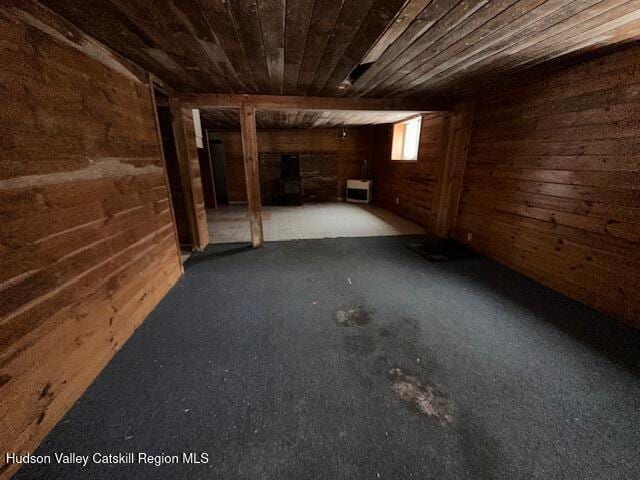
(218, 165)
(173, 171)
(314, 177)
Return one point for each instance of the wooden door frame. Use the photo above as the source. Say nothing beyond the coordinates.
(213, 177)
(451, 171)
(196, 211)
(198, 233)
(152, 94)
(226, 180)
(247, 105)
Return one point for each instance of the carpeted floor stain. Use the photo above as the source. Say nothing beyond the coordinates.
(423, 399)
(387, 356)
(353, 316)
(420, 396)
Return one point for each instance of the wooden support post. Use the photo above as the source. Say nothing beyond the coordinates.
(189, 165)
(252, 171)
(452, 171)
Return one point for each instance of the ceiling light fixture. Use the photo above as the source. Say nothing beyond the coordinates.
(343, 132)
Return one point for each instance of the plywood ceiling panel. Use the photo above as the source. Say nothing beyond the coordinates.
(413, 48)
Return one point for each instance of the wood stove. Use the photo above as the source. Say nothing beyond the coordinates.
(290, 180)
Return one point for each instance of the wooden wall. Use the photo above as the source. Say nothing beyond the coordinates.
(350, 152)
(87, 245)
(552, 184)
(410, 189)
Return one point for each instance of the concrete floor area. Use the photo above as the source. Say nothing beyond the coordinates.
(230, 224)
(358, 359)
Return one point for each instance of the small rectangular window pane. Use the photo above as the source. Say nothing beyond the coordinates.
(398, 141)
(411, 139)
(406, 139)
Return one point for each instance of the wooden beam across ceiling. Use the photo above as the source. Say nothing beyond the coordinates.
(288, 103)
(229, 119)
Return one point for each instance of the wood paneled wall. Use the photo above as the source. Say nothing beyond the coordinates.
(410, 189)
(552, 184)
(351, 152)
(87, 246)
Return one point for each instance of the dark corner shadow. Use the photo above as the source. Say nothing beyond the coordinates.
(217, 251)
(617, 341)
(381, 213)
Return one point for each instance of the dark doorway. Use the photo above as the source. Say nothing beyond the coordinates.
(206, 174)
(216, 149)
(173, 170)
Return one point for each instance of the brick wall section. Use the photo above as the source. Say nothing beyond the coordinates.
(319, 172)
(269, 177)
(319, 176)
(351, 153)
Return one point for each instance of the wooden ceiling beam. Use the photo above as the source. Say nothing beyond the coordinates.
(284, 103)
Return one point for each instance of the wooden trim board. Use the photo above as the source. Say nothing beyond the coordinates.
(189, 173)
(452, 170)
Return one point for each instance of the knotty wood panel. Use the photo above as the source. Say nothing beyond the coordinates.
(415, 48)
(410, 188)
(87, 246)
(552, 187)
(350, 152)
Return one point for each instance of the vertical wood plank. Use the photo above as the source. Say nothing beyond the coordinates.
(189, 175)
(297, 20)
(271, 17)
(452, 170)
(252, 171)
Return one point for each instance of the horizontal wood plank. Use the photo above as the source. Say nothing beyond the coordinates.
(552, 187)
(87, 244)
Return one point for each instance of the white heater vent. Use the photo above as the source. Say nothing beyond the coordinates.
(359, 191)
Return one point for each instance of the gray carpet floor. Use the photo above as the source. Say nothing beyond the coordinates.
(358, 359)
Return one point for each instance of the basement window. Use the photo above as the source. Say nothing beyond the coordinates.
(406, 140)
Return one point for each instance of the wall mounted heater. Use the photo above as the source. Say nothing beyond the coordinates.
(359, 191)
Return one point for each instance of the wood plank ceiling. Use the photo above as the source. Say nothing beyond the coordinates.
(405, 48)
(229, 119)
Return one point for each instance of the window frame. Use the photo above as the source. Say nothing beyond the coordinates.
(394, 146)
